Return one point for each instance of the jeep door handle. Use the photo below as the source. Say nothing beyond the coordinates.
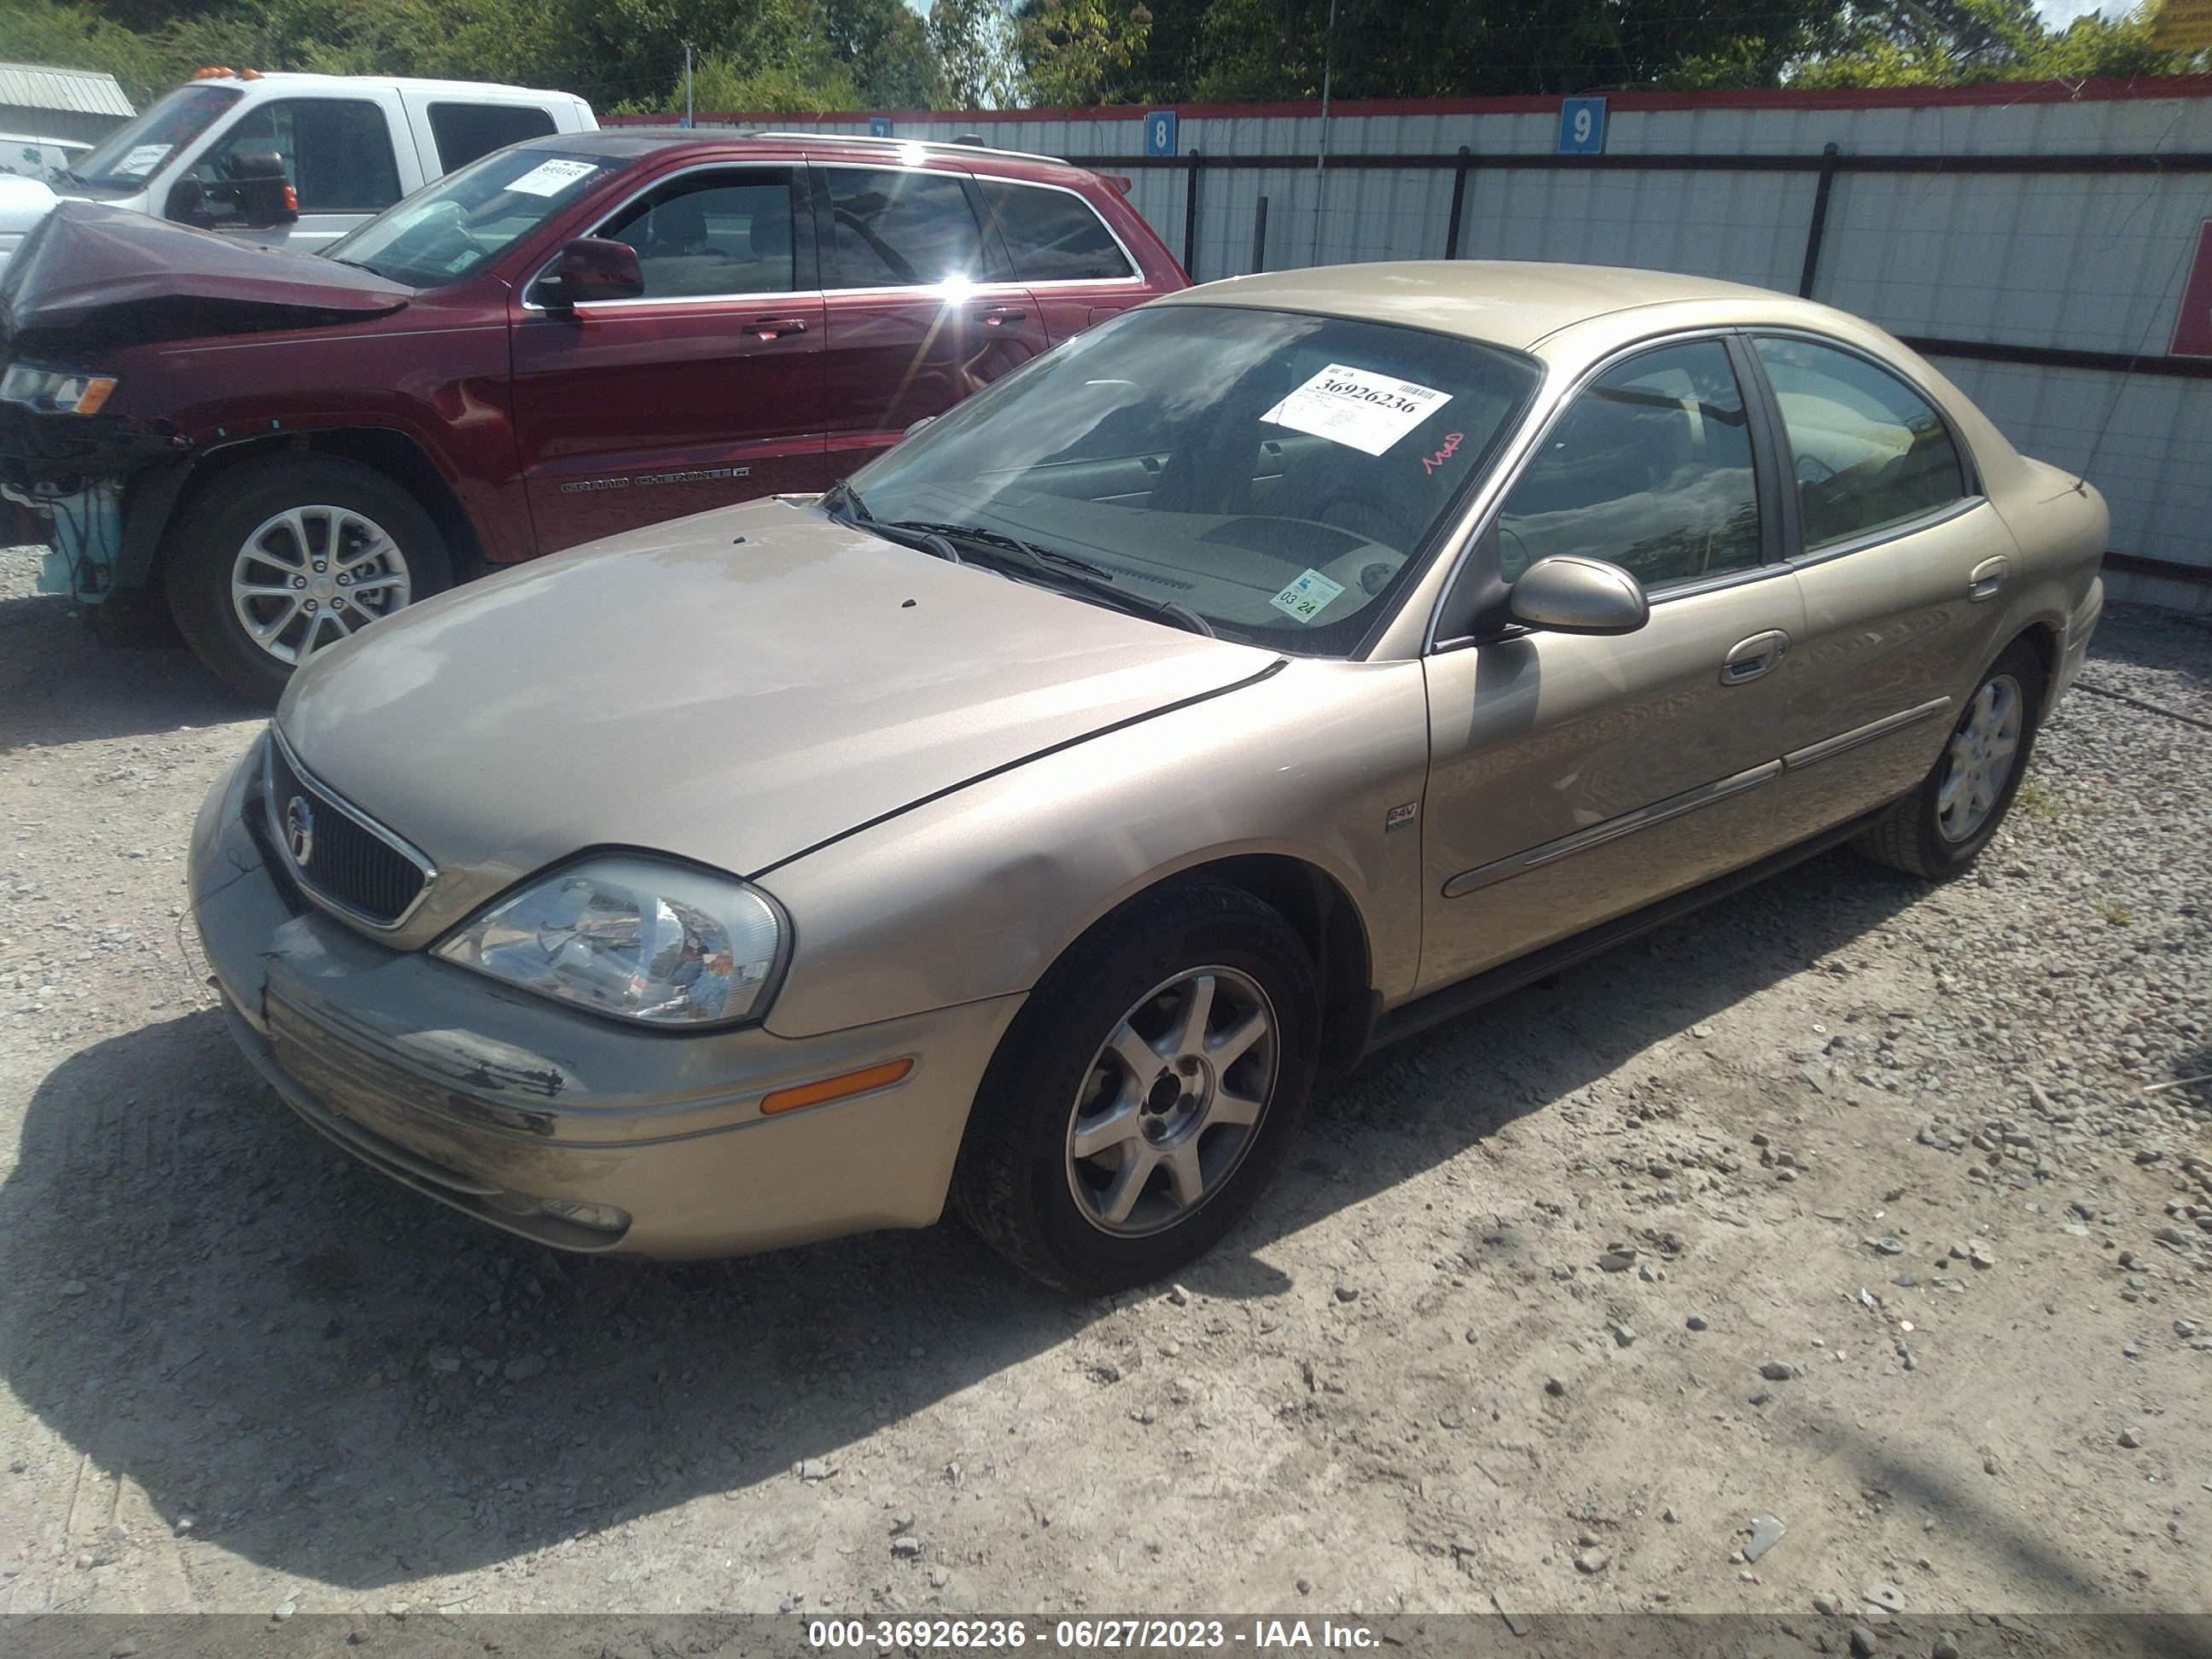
(775, 328)
(1748, 659)
(998, 316)
(1988, 577)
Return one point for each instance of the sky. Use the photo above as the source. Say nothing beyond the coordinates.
(2059, 12)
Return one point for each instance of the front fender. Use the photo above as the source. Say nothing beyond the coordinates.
(976, 893)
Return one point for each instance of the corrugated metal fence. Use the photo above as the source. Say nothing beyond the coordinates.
(2036, 241)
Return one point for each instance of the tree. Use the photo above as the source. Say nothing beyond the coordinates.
(1082, 51)
(721, 86)
(980, 54)
(1897, 42)
(886, 49)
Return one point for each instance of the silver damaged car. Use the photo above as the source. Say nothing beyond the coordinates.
(1031, 822)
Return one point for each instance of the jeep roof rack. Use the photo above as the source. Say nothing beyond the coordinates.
(968, 141)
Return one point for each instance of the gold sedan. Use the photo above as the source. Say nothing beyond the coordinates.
(1267, 673)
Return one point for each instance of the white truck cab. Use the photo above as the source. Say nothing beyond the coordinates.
(292, 161)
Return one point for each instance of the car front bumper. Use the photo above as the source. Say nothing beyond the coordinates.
(550, 1123)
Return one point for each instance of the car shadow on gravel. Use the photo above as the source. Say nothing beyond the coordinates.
(58, 684)
(345, 1381)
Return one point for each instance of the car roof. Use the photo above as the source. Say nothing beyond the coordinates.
(633, 141)
(1509, 302)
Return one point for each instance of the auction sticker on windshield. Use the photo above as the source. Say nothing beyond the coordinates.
(1308, 597)
(144, 158)
(1356, 408)
(551, 178)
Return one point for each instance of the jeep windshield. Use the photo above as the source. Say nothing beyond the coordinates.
(450, 230)
(128, 157)
(1281, 475)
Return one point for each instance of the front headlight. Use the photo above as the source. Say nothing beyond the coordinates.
(642, 938)
(56, 390)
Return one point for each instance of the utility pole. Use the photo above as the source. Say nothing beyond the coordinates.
(687, 81)
(1320, 156)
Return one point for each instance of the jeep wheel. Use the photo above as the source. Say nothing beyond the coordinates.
(285, 556)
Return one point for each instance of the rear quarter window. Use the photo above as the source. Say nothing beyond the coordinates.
(466, 131)
(1053, 235)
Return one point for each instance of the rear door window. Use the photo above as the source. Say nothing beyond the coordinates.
(465, 131)
(1053, 235)
(1869, 451)
(893, 228)
(337, 153)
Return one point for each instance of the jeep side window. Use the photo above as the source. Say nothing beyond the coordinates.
(899, 229)
(1053, 235)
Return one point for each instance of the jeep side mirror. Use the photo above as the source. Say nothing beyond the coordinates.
(593, 268)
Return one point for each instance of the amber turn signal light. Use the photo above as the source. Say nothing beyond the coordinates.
(836, 1088)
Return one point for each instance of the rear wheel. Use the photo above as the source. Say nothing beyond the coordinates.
(287, 555)
(1940, 829)
(1147, 1092)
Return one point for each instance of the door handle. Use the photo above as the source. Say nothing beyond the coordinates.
(996, 316)
(1748, 659)
(775, 328)
(1988, 577)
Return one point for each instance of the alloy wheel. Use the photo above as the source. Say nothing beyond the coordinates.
(1984, 747)
(310, 576)
(1172, 1101)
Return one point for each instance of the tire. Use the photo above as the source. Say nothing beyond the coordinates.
(1024, 1182)
(237, 533)
(1926, 833)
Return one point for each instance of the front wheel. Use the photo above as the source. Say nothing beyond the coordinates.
(1941, 828)
(1147, 1092)
(286, 555)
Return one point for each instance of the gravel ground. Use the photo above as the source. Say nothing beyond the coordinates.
(1869, 1208)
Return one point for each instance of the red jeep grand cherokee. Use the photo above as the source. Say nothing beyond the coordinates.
(572, 337)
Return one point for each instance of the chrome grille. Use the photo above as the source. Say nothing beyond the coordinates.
(350, 862)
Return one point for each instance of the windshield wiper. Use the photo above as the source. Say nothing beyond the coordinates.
(1094, 579)
(919, 537)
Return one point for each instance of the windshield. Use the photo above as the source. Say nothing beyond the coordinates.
(449, 230)
(131, 154)
(1278, 474)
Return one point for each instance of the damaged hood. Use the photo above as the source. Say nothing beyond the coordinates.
(734, 688)
(110, 277)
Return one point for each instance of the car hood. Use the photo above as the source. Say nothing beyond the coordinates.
(111, 277)
(734, 689)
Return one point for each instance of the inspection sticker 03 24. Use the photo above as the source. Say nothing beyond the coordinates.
(1308, 597)
(551, 178)
(1356, 408)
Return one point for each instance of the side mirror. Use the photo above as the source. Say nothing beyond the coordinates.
(265, 195)
(593, 268)
(1565, 594)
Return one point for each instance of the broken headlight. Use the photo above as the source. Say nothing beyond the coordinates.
(56, 390)
(640, 938)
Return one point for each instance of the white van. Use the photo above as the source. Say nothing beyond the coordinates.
(344, 147)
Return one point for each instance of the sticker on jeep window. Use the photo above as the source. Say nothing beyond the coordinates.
(1355, 407)
(142, 159)
(551, 178)
(1306, 597)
